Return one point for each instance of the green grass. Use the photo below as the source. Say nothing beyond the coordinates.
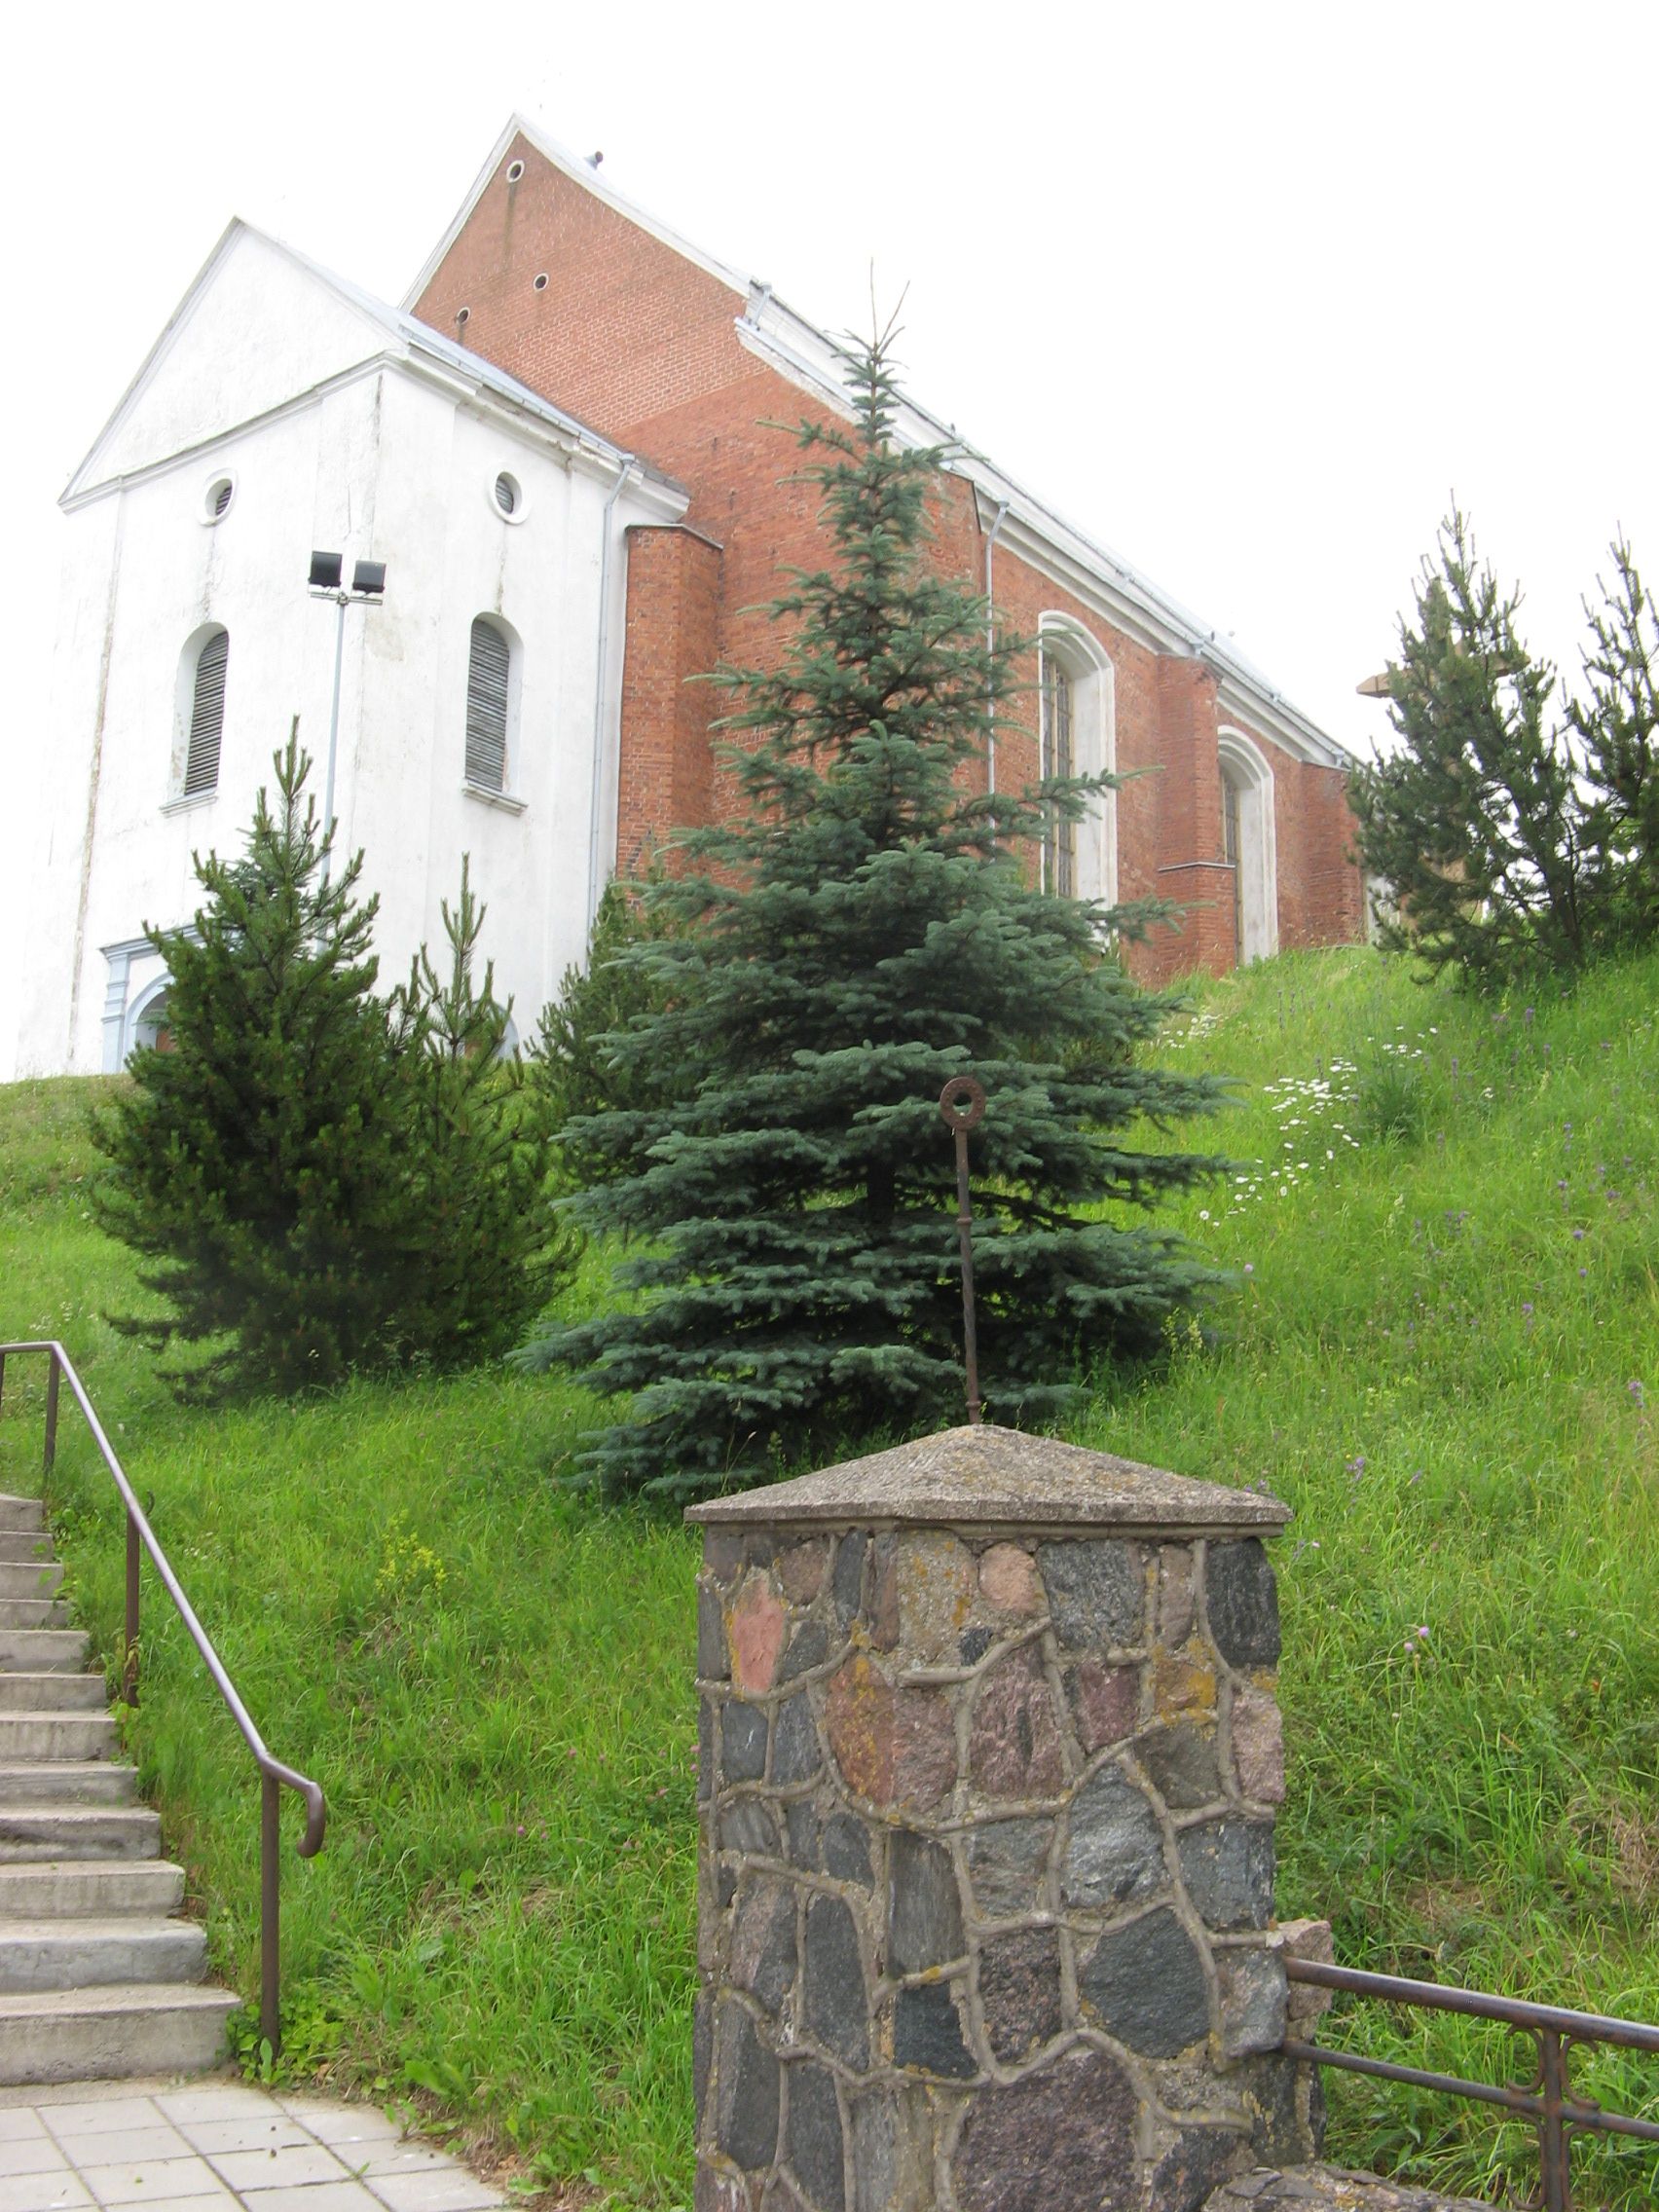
(1424, 1358)
(489, 1680)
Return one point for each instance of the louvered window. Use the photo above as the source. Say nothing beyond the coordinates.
(487, 673)
(207, 715)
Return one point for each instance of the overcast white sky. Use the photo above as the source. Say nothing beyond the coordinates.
(1246, 291)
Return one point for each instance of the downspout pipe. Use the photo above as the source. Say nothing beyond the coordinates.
(601, 674)
(990, 646)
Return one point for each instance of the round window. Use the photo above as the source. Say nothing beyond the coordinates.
(509, 496)
(541, 283)
(515, 169)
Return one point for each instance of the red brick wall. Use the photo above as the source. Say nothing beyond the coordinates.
(639, 341)
(673, 625)
(1333, 885)
(626, 328)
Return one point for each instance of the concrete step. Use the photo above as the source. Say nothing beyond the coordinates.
(66, 1782)
(37, 1650)
(32, 1612)
(55, 1736)
(111, 2033)
(52, 1693)
(98, 1978)
(75, 1889)
(93, 1954)
(36, 1578)
(30, 1832)
(23, 1544)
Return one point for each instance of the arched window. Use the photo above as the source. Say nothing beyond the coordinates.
(201, 705)
(1248, 844)
(489, 702)
(1077, 737)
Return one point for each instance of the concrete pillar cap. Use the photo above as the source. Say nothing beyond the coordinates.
(985, 1479)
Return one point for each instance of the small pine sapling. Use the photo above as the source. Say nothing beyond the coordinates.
(484, 1249)
(256, 1166)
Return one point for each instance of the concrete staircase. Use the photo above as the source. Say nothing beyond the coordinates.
(98, 1978)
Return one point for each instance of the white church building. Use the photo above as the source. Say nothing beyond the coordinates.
(473, 699)
(563, 474)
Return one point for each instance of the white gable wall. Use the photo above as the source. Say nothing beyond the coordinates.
(388, 466)
(257, 331)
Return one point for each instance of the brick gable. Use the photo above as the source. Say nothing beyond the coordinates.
(638, 338)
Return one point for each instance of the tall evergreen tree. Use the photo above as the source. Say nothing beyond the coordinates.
(862, 930)
(322, 1181)
(1616, 722)
(257, 1165)
(1471, 821)
(1514, 837)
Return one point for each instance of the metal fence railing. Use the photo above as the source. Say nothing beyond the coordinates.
(1546, 2100)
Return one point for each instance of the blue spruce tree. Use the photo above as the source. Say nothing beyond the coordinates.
(862, 930)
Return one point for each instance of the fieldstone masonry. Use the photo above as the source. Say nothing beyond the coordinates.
(990, 1754)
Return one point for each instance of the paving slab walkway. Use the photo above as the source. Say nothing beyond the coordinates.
(197, 2143)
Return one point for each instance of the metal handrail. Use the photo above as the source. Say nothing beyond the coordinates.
(1547, 2101)
(275, 1776)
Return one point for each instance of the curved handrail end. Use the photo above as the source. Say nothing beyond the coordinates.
(317, 1809)
(316, 1822)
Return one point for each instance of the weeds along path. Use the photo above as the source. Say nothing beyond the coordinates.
(1440, 1351)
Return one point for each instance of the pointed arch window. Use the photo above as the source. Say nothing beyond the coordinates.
(1077, 736)
(489, 699)
(1233, 853)
(1248, 844)
(1059, 759)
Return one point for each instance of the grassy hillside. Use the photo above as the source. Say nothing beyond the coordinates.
(1441, 1353)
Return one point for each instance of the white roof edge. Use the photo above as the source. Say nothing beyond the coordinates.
(1128, 598)
(659, 495)
(169, 332)
(413, 343)
(580, 171)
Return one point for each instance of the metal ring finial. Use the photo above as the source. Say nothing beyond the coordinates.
(962, 1102)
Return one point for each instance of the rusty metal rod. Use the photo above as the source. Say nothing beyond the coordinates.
(962, 1103)
(1552, 2124)
(1478, 2003)
(1519, 2101)
(964, 1238)
(129, 1656)
(269, 1911)
(52, 1381)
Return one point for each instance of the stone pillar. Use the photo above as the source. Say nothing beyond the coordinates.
(989, 1759)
